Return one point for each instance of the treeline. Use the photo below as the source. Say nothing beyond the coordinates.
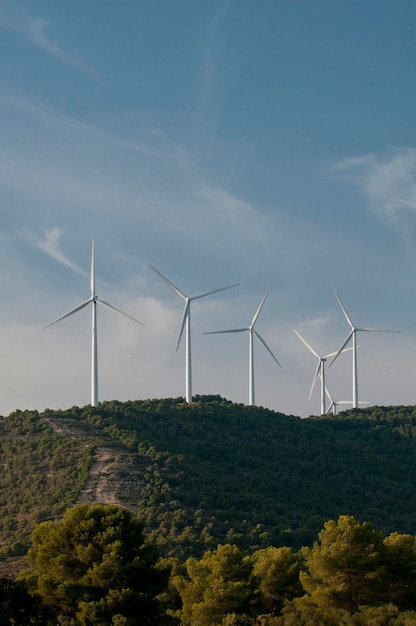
(353, 574)
(213, 472)
(95, 567)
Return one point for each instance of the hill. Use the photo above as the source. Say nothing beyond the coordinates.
(209, 472)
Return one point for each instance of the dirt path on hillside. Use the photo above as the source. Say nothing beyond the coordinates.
(97, 488)
(112, 480)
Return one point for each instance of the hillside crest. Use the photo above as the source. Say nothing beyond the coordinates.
(209, 472)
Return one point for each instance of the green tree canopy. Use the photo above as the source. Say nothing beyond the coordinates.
(94, 565)
(400, 563)
(345, 567)
(218, 588)
(18, 606)
(277, 571)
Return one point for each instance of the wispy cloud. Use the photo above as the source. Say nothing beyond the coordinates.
(388, 183)
(52, 119)
(223, 207)
(111, 176)
(34, 29)
(50, 244)
(211, 56)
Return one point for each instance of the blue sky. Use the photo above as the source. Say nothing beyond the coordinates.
(222, 142)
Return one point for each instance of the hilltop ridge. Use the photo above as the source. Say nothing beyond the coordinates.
(209, 472)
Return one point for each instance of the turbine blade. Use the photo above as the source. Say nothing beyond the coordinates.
(110, 306)
(350, 402)
(343, 309)
(209, 293)
(328, 394)
(327, 356)
(331, 406)
(184, 318)
(260, 338)
(231, 330)
(171, 285)
(259, 308)
(92, 276)
(378, 330)
(317, 373)
(342, 347)
(71, 312)
(318, 356)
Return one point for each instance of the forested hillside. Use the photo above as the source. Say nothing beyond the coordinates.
(210, 472)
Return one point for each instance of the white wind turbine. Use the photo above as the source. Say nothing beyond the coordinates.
(319, 372)
(334, 403)
(352, 335)
(251, 331)
(186, 324)
(93, 300)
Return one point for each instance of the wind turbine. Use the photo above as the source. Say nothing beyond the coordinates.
(352, 335)
(334, 403)
(186, 324)
(93, 300)
(319, 372)
(251, 331)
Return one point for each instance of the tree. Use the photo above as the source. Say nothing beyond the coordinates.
(345, 567)
(400, 562)
(93, 567)
(304, 613)
(18, 606)
(218, 589)
(277, 570)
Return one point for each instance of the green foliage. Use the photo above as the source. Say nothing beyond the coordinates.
(217, 589)
(94, 565)
(400, 564)
(216, 472)
(94, 569)
(42, 474)
(277, 571)
(345, 567)
(305, 613)
(354, 575)
(212, 471)
(17, 606)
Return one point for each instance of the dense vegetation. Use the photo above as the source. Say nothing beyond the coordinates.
(232, 497)
(352, 575)
(213, 471)
(95, 568)
(42, 473)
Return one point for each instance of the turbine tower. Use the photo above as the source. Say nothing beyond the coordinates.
(93, 300)
(251, 332)
(186, 324)
(353, 335)
(320, 371)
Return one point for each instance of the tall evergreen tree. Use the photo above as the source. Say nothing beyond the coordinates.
(345, 566)
(94, 565)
